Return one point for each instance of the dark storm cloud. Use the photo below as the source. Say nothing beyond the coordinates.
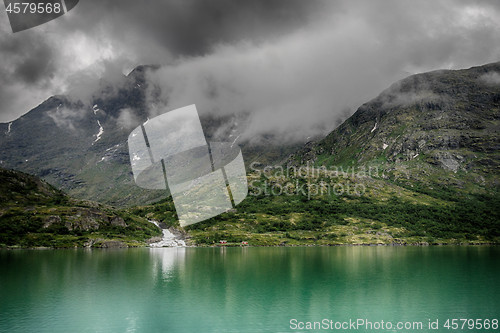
(36, 66)
(301, 84)
(142, 32)
(26, 67)
(291, 67)
(26, 59)
(192, 27)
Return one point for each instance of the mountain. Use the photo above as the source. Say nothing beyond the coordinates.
(419, 164)
(438, 128)
(76, 147)
(33, 213)
(416, 165)
(82, 149)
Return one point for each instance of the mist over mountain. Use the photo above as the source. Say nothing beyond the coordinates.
(440, 127)
(78, 142)
(426, 124)
(433, 139)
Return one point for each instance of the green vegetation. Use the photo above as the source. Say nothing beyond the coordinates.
(162, 211)
(384, 214)
(419, 164)
(35, 214)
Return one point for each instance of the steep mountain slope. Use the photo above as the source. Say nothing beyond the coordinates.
(78, 148)
(430, 144)
(441, 127)
(82, 149)
(34, 213)
(419, 164)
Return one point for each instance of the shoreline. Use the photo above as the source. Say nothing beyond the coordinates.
(10, 248)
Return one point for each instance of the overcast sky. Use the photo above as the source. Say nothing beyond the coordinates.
(295, 66)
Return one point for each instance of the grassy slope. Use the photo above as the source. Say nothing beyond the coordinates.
(384, 214)
(412, 197)
(433, 141)
(34, 214)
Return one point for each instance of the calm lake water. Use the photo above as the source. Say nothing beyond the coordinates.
(245, 289)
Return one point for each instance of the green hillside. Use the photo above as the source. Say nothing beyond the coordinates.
(434, 128)
(419, 164)
(35, 214)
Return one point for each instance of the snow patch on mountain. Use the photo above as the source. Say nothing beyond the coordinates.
(114, 147)
(100, 133)
(112, 153)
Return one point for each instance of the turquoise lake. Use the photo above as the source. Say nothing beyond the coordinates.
(247, 289)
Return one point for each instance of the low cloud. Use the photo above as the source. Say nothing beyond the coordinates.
(290, 89)
(127, 119)
(302, 85)
(102, 80)
(65, 117)
(492, 78)
(410, 91)
(285, 68)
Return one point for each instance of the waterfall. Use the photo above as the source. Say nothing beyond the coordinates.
(168, 238)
